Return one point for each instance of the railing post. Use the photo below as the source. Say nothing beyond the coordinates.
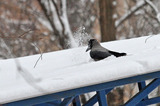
(143, 93)
(76, 101)
(142, 85)
(102, 100)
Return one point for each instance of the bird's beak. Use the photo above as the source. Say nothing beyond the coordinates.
(88, 48)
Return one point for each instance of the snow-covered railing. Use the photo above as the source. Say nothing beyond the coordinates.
(70, 73)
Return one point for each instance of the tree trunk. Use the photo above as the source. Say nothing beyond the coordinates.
(107, 22)
(58, 22)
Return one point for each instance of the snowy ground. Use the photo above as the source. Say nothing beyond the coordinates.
(73, 68)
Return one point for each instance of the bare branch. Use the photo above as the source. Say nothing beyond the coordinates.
(21, 37)
(138, 6)
(157, 18)
(40, 54)
(29, 78)
(155, 10)
(48, 17)
(63, 29)
(38, 61)
(148, 38)
(25, 33)
(152, 6)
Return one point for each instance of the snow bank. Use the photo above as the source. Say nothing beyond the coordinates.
(73, 68)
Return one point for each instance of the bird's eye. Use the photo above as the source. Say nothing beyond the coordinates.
(92, 40)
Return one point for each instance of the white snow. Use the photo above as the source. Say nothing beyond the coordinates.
(73, 68)
(81, 37)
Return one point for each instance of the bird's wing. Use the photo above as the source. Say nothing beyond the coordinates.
(98, 55)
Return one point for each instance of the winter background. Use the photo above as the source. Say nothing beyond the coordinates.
(30, 27)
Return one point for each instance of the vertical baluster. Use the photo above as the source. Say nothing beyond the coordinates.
(102, 100)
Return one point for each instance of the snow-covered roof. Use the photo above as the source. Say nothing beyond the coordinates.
(73, 68)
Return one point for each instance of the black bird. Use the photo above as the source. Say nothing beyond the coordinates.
(98, 52)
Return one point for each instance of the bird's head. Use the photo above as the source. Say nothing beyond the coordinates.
(91, 43)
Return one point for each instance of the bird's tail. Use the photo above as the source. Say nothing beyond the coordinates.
(117, 54)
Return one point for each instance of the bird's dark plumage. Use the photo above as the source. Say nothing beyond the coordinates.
(98, 52)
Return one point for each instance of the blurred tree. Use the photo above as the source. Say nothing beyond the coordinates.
(138, 18)
(56, 15)
(28, 24)
(108, 31)
(22, 29)
(83, 13)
